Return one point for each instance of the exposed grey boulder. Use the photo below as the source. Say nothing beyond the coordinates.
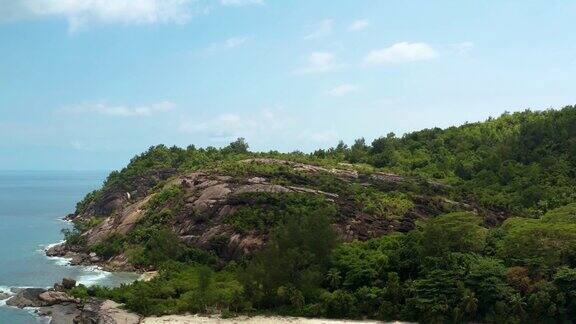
(106, 312)
(57, 250)
(54, 297)
(27, 297)
(66, 313)
(68, 283)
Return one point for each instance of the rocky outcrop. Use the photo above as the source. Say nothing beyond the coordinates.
(210, 197)
(110, 312)
(68, 283)
(27, 297)
(114, 199)
(116, 263)
(342, 173)
(40, 297)
(65, 313)
(91, 311)
(50, 298)
(64, 309)
(130, 214)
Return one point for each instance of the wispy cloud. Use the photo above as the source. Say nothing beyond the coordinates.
(240, 3)
(228, 126)
(83, 13)
(401, 53)
(80, 13)
(118, 110)
(226, 45)
(359, 25)
(321, 29)
(319, 62)
(342, 90)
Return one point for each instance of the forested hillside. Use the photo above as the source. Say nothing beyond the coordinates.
(522, 163)
(468, 223)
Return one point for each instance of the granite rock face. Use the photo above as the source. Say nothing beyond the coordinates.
(51, 297)
(211, 196)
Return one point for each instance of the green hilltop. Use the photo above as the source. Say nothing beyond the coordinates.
(468, 223)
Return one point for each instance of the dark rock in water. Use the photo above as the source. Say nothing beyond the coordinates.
(68, 283)
(57, 250)
(27, 297)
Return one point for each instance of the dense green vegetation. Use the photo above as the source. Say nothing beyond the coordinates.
(450, 269)
(263, 211)
(457, 267)
(523, 163)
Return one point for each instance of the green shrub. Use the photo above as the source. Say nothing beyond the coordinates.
(262, 211)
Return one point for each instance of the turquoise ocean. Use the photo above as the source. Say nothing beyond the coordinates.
(32, 205)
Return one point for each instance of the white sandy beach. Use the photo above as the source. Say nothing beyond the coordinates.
(193, 319)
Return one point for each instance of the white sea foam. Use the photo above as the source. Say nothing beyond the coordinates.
(61, 261)
(93, 276)
(40, 319)
(5, 290)
(65, 221)
(51, 245)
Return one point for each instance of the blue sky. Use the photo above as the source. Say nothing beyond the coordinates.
(86, 84)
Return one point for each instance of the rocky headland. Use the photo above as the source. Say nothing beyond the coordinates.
(57, 304)
(210, 197)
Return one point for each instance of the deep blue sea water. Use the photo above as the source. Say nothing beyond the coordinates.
(32, 204)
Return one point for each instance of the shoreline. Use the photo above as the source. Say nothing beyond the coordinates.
(99, 273)
(55, 305)
(258, 319)
(87, 275)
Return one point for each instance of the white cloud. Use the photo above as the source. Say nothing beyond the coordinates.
(228, 44)
(240, 3)
(322, 29)
(235, 42)
(359, 25)
(229, 126)
(319, 62)
(401, 53)
(80, 13)
(83, 13)
(341, 90)
(122, 111)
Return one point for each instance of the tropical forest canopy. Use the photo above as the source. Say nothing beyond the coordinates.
(518, 265)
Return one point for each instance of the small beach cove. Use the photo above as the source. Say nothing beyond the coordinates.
(32, 205)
